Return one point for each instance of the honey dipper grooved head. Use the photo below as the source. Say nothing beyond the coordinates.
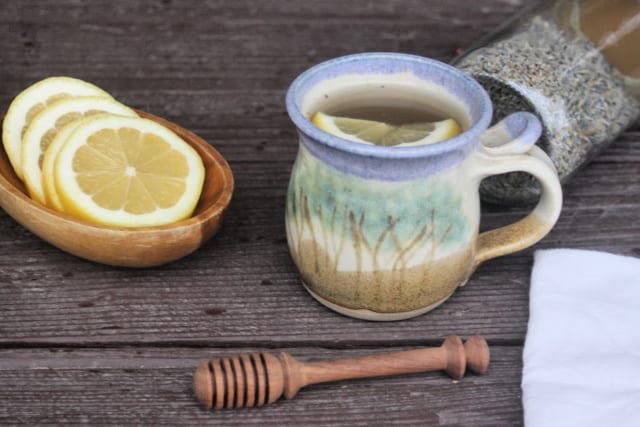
(241, 381)
(202, 386)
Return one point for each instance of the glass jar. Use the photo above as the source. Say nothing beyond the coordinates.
(576, 65)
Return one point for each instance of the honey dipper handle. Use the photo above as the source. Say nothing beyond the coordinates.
(450, 356)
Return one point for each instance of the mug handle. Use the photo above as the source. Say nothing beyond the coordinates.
(509, 146)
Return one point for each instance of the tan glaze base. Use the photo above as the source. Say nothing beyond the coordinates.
(126, 247)
(364, 314)
(409, 291)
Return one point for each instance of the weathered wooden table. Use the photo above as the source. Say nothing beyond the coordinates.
(82, 342)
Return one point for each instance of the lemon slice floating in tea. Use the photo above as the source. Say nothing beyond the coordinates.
(30, 102)
(127, 172)
(379, 133)
(47, 123)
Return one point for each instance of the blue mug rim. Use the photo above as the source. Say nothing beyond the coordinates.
(471, 134)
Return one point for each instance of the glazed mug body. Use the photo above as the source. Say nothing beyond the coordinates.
(387, 233)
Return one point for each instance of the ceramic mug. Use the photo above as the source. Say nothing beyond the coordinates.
(388, 233)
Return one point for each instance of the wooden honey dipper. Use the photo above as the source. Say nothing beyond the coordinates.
(258, 378)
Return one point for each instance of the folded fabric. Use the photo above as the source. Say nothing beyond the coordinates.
(582, 349)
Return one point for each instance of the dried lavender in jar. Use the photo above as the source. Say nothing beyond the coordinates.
(564, 78)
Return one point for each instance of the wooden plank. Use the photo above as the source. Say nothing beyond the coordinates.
(153, 387)
(207, 46)
(242, 286)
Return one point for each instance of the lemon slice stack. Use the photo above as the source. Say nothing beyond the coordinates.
(81, 152)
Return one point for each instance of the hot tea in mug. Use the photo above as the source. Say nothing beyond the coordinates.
(387, 114)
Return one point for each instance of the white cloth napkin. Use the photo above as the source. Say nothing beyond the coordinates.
(582, 350)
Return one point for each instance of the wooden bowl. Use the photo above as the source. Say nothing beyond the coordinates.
(128, 247)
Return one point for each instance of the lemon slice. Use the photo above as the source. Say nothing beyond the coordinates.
(127, 172)
(30, 102)
(48, 177)
(379, 133)
(46, 124)
(48, 163)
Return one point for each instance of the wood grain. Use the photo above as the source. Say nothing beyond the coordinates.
(119, 346)
(153, 387)
(244, 285)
